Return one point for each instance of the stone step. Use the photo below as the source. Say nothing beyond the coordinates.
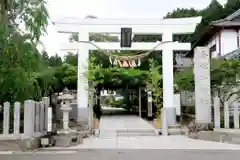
(129, 134)
(174, 131)
(136, 130)
(107, 134)
(233, 141)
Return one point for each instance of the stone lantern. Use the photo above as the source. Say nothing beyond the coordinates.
(66, 98)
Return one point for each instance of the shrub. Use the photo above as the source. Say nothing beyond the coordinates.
(189, 109)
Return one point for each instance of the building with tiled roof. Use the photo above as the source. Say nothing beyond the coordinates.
(222, 37)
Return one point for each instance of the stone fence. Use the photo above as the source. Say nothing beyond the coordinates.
(23, 121)
(187, 98)
(228, 116)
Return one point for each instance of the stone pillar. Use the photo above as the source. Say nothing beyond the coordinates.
(236, 115)
(37, 117)
(217, 116)
(6, 118)
(149, 93)
(82, 84)
(46, 104)
(42, 118)
(17, 117)
(202, 85)
(177, 105)
(140, 102)
(28, 119)
(91, 103)
(164, 121)
(226, 114)
(167, 69)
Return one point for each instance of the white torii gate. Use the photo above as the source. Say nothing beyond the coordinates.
(166, 27)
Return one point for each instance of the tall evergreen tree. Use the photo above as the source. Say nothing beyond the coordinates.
(231, 6)
(212, 13)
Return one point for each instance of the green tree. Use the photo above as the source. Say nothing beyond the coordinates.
(231, 6)
(154, 85)
(212, 13)
(19, 56)
(71, 58)
(182, 12)
(185, 79)
(55, 61)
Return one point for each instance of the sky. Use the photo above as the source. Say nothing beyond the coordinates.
(111, 9)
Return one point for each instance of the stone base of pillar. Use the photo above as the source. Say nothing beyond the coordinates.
(178, 118)
(195, 127)
(170, 115)
(83, 115)
(150, 118)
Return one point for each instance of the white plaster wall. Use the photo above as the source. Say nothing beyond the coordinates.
(212, 42)
(228, 41)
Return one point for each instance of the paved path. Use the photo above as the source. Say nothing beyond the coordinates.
(130, 154)
(123, 122)
(151, 142)
(108, 138)
(110, 125)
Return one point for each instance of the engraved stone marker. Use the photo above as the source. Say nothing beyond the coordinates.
(202, 85)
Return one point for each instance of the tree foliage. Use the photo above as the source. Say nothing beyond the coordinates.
(214, 11)
(155, 84)
(25, 73)
(224, 78)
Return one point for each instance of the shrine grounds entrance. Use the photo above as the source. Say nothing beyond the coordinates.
(166, 27)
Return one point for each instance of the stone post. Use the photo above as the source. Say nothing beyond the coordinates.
(91, 103)
(46, 103)
(6, 118)
(149, 93)
(37, 117)
(177, 105)
(42, 121)
(217, 123)
(28, 119)
(164, 121)
(226, 114)
(236, 115)
(17, 118)
(140, 101)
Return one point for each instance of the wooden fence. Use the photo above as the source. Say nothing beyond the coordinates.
(22, 121)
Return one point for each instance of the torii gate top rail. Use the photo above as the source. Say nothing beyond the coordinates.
(130, 21)
(138, 25)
